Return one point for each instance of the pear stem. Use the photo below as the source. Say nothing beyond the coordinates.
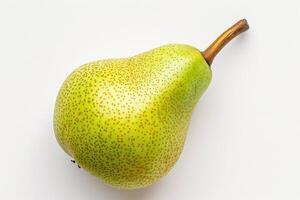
(238, 28)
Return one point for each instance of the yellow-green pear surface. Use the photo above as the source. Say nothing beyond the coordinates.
(125, 120)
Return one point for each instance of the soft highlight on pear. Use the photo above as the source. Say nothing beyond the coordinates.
(125, 120)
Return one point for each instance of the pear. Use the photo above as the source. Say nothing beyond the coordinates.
(125, 120)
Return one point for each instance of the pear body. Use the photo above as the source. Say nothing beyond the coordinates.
(125, 120)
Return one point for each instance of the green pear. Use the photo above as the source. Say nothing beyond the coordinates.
(125, 120)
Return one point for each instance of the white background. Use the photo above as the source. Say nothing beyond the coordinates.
(244, 138)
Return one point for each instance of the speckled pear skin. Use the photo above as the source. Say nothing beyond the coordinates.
(125, 120)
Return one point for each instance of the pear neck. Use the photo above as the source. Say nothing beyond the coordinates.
(235, 30)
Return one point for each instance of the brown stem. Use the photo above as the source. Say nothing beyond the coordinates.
(210, 53)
